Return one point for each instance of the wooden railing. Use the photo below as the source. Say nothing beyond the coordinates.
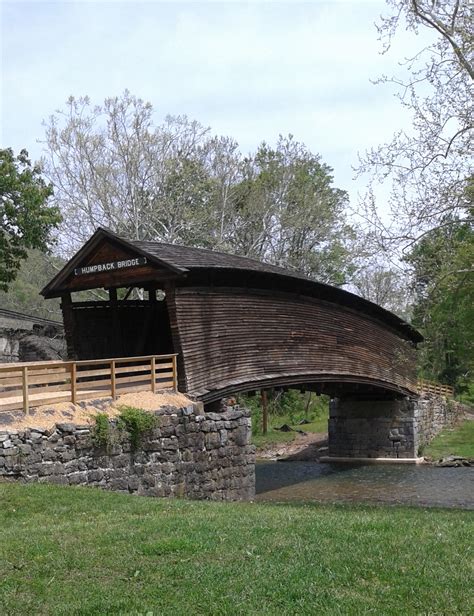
(430, 387)
(24, 385)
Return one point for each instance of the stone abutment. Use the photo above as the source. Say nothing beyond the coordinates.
(189, 454)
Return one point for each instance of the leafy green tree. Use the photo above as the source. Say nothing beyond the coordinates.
(26, 218)
(112, 166)
(287, 212)
(444, 310)
(186, 210)
(23, 292)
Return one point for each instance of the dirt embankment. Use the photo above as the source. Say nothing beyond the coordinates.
(304, 447)
(83, 412)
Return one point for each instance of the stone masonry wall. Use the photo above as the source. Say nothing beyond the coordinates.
(432, 414)
(388, 428)
(371, 429)
(190, 454)
(23, 345)
(26, 338)
(9, 346)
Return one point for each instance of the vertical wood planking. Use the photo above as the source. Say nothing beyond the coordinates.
(117, 350)
(170, 299)
(68, 320)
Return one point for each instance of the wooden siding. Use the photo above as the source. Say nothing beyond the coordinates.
(232, 337)
(236, 324)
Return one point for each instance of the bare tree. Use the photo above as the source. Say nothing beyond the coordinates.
(384, 285)
(175, 182)
(430, 165)
(111, 166)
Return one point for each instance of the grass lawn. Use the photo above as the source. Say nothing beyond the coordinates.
(457, 441)
(320, 424)
(287, 408)
(82, 551)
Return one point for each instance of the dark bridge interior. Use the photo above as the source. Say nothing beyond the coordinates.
(236, 323)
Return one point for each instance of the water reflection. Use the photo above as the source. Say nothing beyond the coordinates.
(394, 484)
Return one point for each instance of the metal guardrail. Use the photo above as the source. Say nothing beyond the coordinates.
(430, 387)
(27, 384)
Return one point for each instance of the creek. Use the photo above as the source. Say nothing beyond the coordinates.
(396, 484)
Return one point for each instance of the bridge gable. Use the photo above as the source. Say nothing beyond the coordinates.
(108, 261)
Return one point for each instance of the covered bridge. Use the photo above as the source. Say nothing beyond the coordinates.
(237, 324)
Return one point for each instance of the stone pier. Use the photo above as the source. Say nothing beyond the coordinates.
(397, 428)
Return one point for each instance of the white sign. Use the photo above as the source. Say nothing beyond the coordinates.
(99, 268)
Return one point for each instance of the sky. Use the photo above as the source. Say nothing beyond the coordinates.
(250, 70)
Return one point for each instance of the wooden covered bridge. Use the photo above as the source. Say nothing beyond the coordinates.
(236, 324)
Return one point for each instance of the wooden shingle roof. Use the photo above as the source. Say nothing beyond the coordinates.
(187, 258)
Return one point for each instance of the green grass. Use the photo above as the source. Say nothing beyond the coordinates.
(273, 437)
(454, 441)
(286, 408)
(81, 551)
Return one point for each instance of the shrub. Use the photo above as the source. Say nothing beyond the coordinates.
(136, 422)
(101, 430)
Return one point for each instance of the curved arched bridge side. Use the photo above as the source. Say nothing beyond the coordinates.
(236, 339)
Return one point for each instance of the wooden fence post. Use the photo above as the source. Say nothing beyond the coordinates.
(73, 382)
(153, 374)
(26, 405)
(112, 380)
(264, 411)
(175, 374)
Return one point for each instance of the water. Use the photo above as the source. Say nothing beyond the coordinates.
(423, 485)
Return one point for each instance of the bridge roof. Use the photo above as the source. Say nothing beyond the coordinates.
(184, 262)
(186, 258)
